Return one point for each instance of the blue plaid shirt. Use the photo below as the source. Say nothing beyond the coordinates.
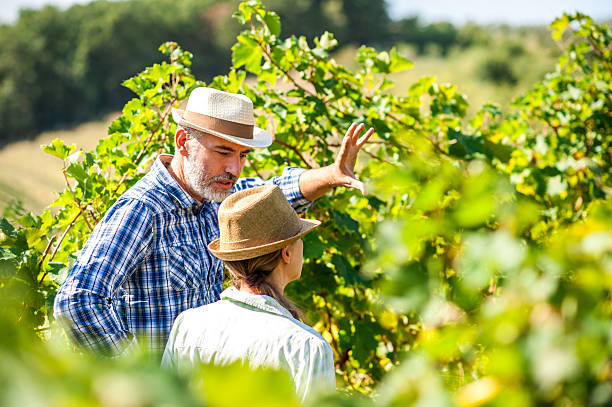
(147, 261)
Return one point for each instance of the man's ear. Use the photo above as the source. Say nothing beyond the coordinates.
(180, 139)
(286, 254)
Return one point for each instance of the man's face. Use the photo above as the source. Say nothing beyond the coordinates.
(213, 165)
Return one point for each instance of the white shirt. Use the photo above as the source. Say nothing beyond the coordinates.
(254, 329)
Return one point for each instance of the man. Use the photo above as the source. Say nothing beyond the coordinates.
(147, 260)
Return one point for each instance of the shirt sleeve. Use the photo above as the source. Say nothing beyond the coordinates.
(316, 375)
(84, 302)
(288, 182)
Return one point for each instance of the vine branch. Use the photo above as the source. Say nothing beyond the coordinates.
(255, 169)
(144, 147)
(76, 200)
(60, 243)
(47, 249)
(295, 150)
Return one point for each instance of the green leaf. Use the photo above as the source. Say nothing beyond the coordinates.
(465, 146)
(273, 22)
(398, 62)
(344, 333)
(365, 341)
(386, 84)
(345, 269)
(313, 247)
(344, 220)
(6, 254)
(558, 26)
(320, 53)
(327, 41)
(6, 227)
(246, 52)
(54, 267)
(58, 148)
(235, 78)
(382, 63)
(65, 198)
(28, 220)
(556, 185)
(7, 268)
(246, 10)
(487, 254)
(500, 151)
(381, 126)
(421, 86)
(77, 171)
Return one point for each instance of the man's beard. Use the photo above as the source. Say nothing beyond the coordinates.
(202, 183)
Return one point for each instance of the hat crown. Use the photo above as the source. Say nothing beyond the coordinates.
(221, 105)
(229, 116)
(256, 216)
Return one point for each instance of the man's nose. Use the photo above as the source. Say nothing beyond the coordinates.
(233, 166)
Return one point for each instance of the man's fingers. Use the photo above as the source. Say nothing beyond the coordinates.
(365, 137)
(351, 140)
(355, 183)
(345, 141)
(349, 132)
(357, 132)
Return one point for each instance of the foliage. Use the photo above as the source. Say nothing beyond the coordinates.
(37, 373)
(62, 67)
(469, 275)
(561, 129)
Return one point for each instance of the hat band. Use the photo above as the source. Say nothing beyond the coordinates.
(220, 125)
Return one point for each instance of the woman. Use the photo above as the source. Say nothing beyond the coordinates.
(260, 243)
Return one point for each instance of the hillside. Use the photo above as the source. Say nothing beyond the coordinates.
(34, 176)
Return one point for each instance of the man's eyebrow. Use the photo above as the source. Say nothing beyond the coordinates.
(231, 150)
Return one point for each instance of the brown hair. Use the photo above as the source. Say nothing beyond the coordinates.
(253, 273)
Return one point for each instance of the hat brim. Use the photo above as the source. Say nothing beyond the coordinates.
(307, 225)
(261, 138)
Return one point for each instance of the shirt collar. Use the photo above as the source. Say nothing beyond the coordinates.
(161, 173)
(261, 302)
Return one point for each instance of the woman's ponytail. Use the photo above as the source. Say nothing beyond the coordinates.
(254, 272)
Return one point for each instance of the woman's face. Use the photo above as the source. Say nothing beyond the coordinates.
(294, 268)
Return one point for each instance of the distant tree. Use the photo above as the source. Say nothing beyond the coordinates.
(36, 71)
(367, 21)
(305, 17)
(411, 31)
(498, 70)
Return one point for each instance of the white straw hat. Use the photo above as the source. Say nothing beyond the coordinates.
(222, 114)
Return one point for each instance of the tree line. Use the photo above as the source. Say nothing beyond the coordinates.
(64, 67)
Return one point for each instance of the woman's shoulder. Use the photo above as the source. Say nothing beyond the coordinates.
(212, 310)
(308, 336)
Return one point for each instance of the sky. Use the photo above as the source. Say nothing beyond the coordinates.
(514, 12)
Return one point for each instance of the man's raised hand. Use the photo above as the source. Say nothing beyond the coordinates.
(344, 166)
(316, 182)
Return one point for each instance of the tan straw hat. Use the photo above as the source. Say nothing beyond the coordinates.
(222, 114)
(257, 221)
